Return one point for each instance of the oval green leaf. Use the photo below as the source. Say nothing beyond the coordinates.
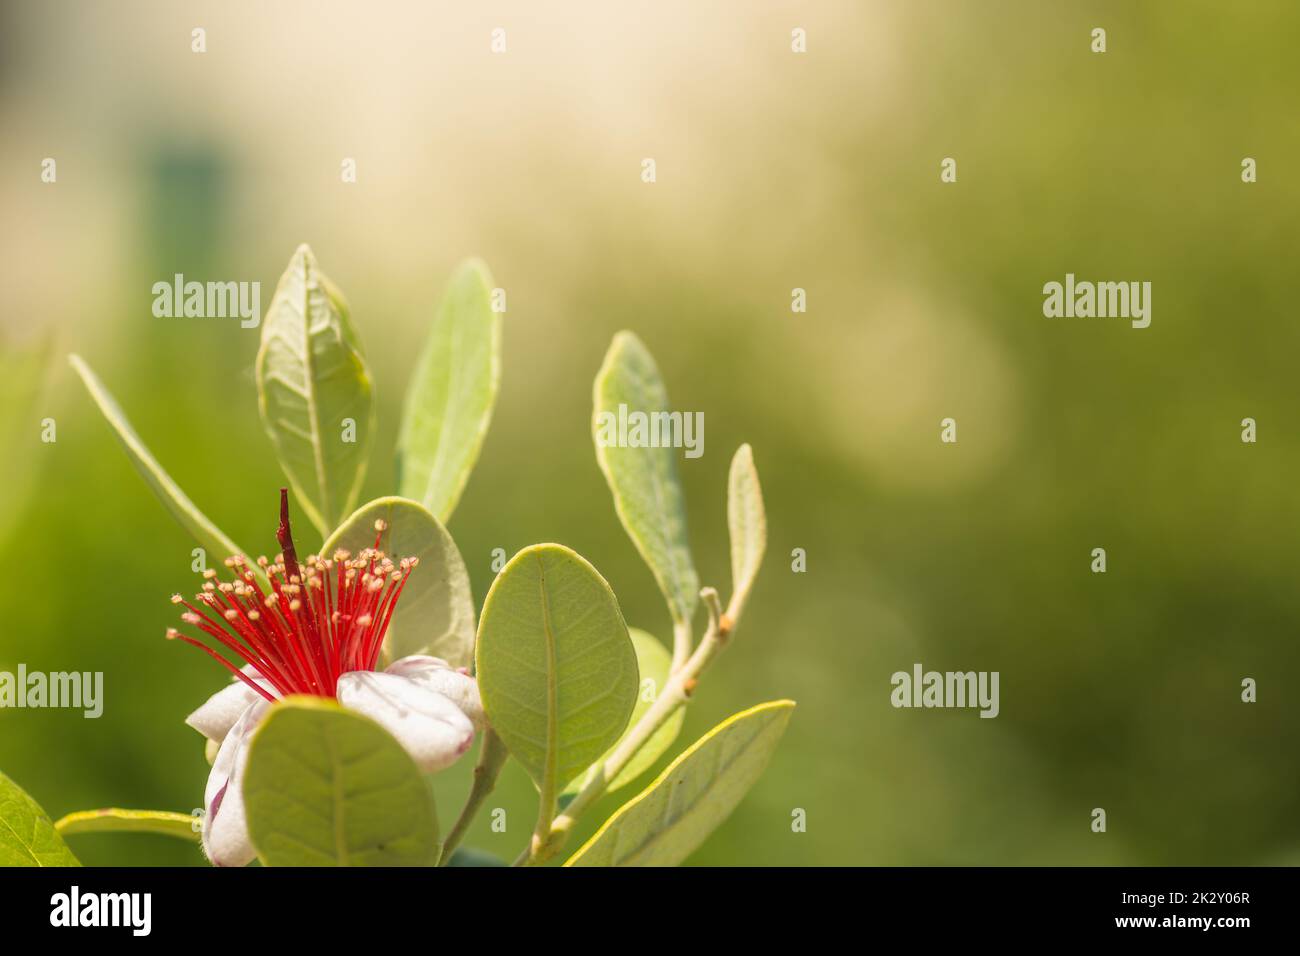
(666, 822)
(453, 390)
(328, 787)
(27, 837)
(435, 614)
(653, 662)
(647, 494)
(314, 391)
(747, 524)
(555, 666)
(207, 534)
(115, 820)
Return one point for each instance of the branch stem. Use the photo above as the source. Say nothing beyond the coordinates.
(682, 638)
(491, 758)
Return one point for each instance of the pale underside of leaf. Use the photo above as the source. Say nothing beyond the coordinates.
(647, 493)
(435, 614)
(452, 393)
(653, 664)
(556, 669)
(667, 822)
(746, 522)
(311, 379)
(325, 786)
(207, 534)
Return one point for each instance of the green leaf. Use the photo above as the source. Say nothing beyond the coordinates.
(212, 538)
(647, 495)
(666, 822)
(22, 373)
(312, 381)
(747, 523)
(468, 856)
(452, 392)
(556, 669)
(325, 786)
(435, 614)
(653, 662)
(114, 820)
(27, 837)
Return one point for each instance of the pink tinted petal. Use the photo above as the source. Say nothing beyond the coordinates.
(215, 718)
(430, 728)
(225, 827)
(435, 674)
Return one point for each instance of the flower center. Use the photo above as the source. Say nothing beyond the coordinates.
(313, 625)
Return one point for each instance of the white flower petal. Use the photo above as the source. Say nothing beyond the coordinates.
(215, 718)
(433, 673)
(429, 727)
(225, 827)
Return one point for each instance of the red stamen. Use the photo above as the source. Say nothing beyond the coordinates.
(319, 619)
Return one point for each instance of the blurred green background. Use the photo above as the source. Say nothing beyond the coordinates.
(775, 171)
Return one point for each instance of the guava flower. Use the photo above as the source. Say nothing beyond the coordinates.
(318, 630)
